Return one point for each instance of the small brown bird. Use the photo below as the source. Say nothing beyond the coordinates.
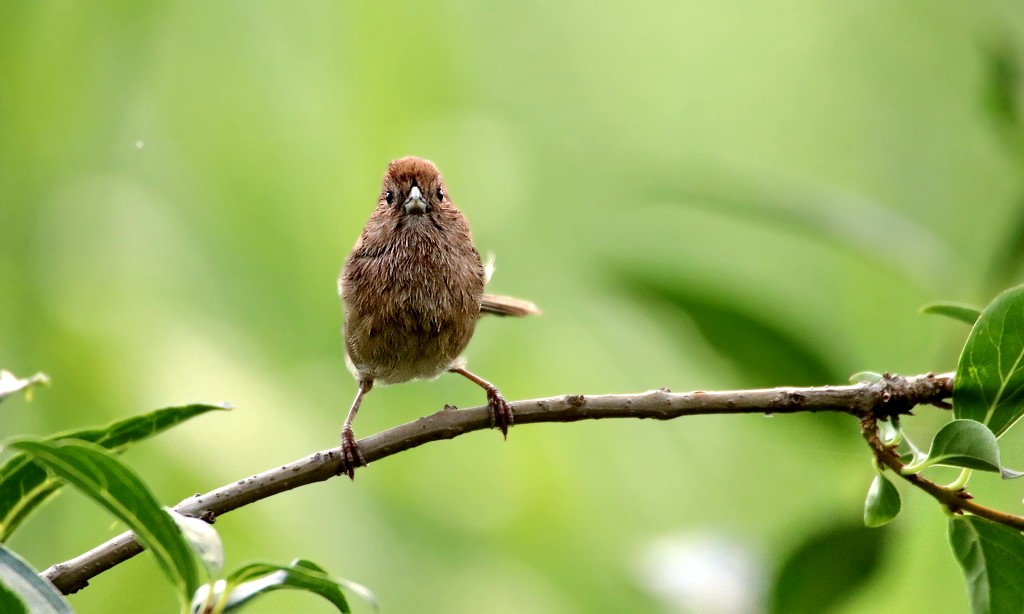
(412, 290)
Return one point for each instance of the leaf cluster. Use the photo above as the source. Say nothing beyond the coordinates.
(988, 399)
(188, 551)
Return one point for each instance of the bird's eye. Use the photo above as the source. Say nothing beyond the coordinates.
(440, 194)
(389, 196)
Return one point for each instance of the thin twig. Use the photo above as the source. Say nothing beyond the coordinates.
(956, 501)
(889, 397)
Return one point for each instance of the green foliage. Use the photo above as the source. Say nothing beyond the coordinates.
(84, 458)
(204, 541)
(173, 216)
(97, 474)
(882, 503)
(962, 443)
(11, 602)
(865, 377)
(24, 484)
(765, 350)
(1004, 90)
(826, 569)
(992, 557)
(254, 579)
(989, 386)
(968, 314)
(22, 590)
(988, 398)
(171, 537)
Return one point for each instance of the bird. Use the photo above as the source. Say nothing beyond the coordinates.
(412, 291)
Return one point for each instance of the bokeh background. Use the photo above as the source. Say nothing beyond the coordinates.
(700, 195)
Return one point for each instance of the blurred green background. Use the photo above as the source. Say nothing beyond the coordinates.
(700, 195)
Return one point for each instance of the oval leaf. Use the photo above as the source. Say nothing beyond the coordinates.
(991, 557)
(827, 569)
(31, 592)
(866, 377)
(24, 484)
(883, 502)
(989, 385)
(968, 314)
(100, 476)
(964, 443)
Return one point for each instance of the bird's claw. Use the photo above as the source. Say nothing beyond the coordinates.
(351, 455)
(500, 410)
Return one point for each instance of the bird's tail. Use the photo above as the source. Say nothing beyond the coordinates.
(507, 306)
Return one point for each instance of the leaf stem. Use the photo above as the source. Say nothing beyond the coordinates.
(960, 482)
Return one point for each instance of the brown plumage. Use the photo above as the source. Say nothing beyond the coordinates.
(413, 290)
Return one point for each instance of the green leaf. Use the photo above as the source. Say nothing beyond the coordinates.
(989, 384)
(883, 502)
(889, 433)
(100, 476)
(204, 540)
(10, 383)
(968, 314)
(1010, 474)
(991, 557)
(24, 485)
(1003, 83)
(256, 579)
(865, 377)
(962, 443)
(354, 587)
(11, 603)
(117, 435)
(826, 569)
(764, 348)
(26, 591)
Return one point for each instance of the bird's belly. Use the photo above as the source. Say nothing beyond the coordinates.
(407, 344)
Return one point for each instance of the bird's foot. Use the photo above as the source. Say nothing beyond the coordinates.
(351, 455)
(501, 411)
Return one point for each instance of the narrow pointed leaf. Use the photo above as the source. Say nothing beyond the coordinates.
(991, 557)
(25, 590)
(256, 579)
(967, 444)
(968, 314)
(100, 476)
(362, 591)
(989, 385)
(24, 484)
(883, 502)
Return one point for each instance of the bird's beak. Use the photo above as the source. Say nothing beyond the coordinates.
(415, 203)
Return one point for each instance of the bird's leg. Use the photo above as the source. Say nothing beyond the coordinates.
(351, 455)
(501, 412)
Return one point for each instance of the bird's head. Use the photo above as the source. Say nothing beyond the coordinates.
(412, 187)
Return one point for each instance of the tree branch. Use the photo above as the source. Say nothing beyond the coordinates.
(956, 501)
(889, 397)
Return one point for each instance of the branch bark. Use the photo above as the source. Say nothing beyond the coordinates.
(889, 397)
